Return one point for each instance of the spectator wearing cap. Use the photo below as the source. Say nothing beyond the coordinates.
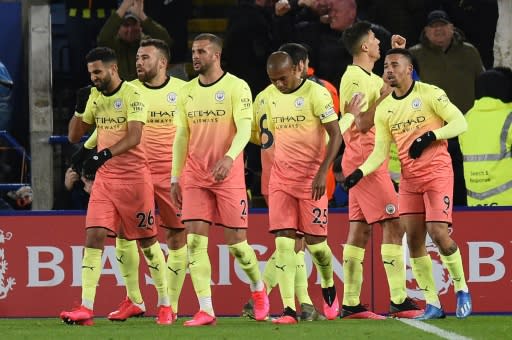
(487, 143)
(124, 30)
(446, 60)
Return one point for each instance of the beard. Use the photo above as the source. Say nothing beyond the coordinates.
(147, 75)
(103, 84)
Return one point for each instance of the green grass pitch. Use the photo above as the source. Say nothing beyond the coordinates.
(475, 327)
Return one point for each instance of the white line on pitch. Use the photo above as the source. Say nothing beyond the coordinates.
(434, 330)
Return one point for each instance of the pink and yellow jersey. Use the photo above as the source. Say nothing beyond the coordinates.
(424, 108)
(358, 145)
(159, 130)
(111, 114)
(209, 113)
(262, 135)
(299, 138)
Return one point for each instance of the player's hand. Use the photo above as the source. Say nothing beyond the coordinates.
(221, 169)
(356, 104)
(282, 7)
(352, 179)
(79, 157)
(176, 197)
(385, 90)
(92, 164)
(70, 178)
(421, 143)
(397, 41)
(318, 187)
(82, 96)
(87, 184)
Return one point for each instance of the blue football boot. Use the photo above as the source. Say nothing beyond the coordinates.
(464, 305)
(431, 312)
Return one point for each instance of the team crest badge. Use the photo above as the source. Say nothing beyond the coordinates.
(390, 209)
(416, 103)
(171, 97)
(219, 96)
(299, 102)
(118, 104)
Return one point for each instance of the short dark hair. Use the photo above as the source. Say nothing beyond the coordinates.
(159, 44)
(353, 35)
(296, 51)
(211, 38)
(403, 51)
(495, 83)
(103, 54)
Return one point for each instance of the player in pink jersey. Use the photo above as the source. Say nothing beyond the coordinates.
(160, 92)
(414, 117)
(359, 84)
(121, 201)
(300, 113)
(213, 122)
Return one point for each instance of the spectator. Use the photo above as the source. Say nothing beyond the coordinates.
(124, 30)
(173, 15)
(486, 145)
(75, 194)
(83, 23)
(20, 199)
(404, 17)
(319, 25)
(6, 85)
(248, 42)
(448, 62)
(478, 20)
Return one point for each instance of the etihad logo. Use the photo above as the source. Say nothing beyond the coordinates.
(219, 96)
(408, 124)
(110, 120)
(161, 114)
(288, 119)
(118, 104)
(206, 113)
(172, 97)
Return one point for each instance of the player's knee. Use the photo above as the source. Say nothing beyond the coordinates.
(195, 242)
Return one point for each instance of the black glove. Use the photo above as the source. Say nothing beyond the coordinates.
(92, 164)
(421, 143)
(82, 96)
(79, 157)
(352, 179)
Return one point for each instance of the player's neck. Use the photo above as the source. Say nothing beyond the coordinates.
(404, 88)
(158, 80)
(113, 86)
(211, 76)
(364, 62)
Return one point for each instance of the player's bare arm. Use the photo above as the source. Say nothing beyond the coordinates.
(176, 197)
(318, 189)
(77, 128)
